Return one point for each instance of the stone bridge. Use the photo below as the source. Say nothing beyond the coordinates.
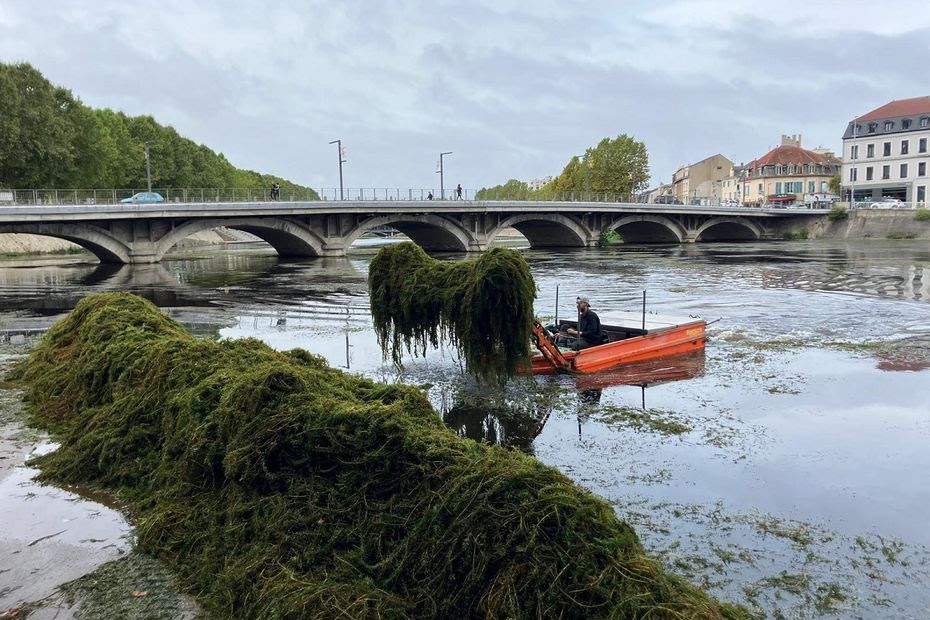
(144, 233)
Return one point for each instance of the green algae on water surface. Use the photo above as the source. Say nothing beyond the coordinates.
(277, 487)
(484, 306)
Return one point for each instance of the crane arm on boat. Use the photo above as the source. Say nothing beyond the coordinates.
(545, 342)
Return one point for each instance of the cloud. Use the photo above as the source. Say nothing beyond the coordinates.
(513, 89)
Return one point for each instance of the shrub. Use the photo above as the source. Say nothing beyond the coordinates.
(837, 213)
(922, 214)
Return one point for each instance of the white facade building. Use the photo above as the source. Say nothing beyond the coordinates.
(886, 153)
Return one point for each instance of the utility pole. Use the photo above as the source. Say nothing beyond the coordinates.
(442, 187)
(341, 161)
(148, 166)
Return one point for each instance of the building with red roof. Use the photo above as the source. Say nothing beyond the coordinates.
(787, 173)
(886, 153)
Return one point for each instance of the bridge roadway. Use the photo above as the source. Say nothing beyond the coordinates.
(137, 233)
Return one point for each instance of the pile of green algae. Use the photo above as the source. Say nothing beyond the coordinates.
(277, 487)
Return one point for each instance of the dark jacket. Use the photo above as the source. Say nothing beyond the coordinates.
(589, 327)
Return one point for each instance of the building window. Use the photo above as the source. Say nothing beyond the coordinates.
(824, 185)
(886, 172)
(921, 193)
(798, 187)
(870, 150)
(778, 187)
(922, 169)
(874, 126)
(868, 173)
(925, 121)
(904, 147)
(852, 174)
(760, 188)
(889, 125)
(854, 152)
(903, 171)
(810, 187)
(922, 145)
(886, 149)
(906, 123)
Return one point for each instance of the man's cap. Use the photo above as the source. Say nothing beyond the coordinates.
(583, 299)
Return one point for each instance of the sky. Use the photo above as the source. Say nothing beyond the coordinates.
(512, 89)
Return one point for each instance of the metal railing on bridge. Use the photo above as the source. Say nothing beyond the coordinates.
(172, 195)
(225, 195)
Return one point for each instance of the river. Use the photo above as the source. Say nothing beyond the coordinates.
(784, 468)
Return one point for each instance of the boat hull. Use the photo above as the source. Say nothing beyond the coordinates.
(655, 344)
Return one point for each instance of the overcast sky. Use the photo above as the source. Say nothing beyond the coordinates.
(513, 89)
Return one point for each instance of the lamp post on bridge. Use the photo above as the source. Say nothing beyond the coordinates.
(442, 187)
(148, 166)
(338, 144)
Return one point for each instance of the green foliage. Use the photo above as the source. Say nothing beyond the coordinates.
(837, 213)
(797, 235)
(609, 238)
(511, 190)
(277, 487)
(901, 235)
(49, 139)
(617, 166)
(834, 184)
(922, 214)
(483, 306)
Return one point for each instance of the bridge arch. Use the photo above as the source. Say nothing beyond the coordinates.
(288, 238)
(728, 229)
(546, 230)
(97, 241)
(648, 229)
(433, 233)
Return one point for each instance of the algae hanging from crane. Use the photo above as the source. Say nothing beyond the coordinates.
(484, 307)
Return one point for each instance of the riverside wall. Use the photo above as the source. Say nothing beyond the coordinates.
(861, 224)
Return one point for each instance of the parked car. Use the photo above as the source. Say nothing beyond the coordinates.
(729, 203)
(666, 200)
(887, 203)
(144, 197)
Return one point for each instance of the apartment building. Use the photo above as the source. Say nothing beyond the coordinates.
(694, 183)
(886, 152)
(788, 172)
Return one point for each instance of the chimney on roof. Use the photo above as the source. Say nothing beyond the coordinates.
(792, 140)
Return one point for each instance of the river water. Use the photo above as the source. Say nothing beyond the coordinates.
(784, 468)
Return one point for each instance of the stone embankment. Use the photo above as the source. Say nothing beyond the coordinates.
(863, 224)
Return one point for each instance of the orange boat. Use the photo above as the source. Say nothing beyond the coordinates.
(631, 338)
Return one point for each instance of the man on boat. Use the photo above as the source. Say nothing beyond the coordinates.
(589, 332)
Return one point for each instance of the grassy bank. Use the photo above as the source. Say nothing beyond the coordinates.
(276, 486)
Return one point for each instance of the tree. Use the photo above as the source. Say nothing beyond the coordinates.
(835, 184)
(49, 139)
(617, 166)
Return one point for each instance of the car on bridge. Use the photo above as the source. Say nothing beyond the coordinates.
(888, 202)
(144, 198)
(666, 200)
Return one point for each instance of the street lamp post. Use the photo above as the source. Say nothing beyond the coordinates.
(148, 167)
(442, 187)
(338, 144)
(852, 178)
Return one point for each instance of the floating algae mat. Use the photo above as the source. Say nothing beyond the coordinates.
(277, 487)
(484, 306)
